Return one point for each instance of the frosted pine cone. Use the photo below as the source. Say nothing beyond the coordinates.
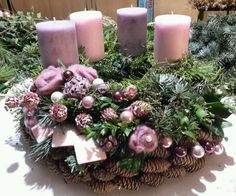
(83, 119)
(131, 92)
(77, 87)
(108, 114)
(58, 112)
(140, 108)
(12, 102)
(103, 88)
(30, 100)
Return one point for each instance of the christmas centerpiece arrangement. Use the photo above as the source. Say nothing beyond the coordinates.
(127, 117)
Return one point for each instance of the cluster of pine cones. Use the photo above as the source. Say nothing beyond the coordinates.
(213, 4)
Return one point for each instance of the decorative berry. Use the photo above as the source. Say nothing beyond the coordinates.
(58, 112)
(198, 151)
(87, 102)
(83, 119)
(68, 75)
(56, 97)
(209, 147)
(219, 149)
(103, 88)
(30, 100)
(108, 114)
(140, 108)
(12, 102)
(108, 144)
(166, 142)
(131, 92)
(97, 82)
(126, 116)
(77, 87)
(117, 96)
(180, 151)
(143, 139)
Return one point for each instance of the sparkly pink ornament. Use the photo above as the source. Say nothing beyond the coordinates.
(58, 112)
(209, 147)
(83, 119)
(180, 151)
(167, 142)
(12, 102)
(130, 92)
(198, 151)
(31, 100)
(87, 102)
(143, 139)
(127, 116)
(117, 96)
(219, 149)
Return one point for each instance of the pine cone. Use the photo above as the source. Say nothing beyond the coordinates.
(187, 143)
(130, 92)
(83, 119)
(199, 164)
(184, 161)
(12, 102)
(102, 175)
(151, 179)
(108, 143)
(77, 87)
(140, 108)
(127, 183)
(155, 165)
(217, 139)
(204, 136)
(101, 186)
(30, 100)
(52, 166)
(160, 152)
(174, 172)
(108, 114)
(58, 112)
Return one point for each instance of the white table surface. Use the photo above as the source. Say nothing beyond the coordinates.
(20, 176)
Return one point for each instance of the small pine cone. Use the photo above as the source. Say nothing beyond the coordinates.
(184, 161)
(52, 166)
(102, 175)
(82, 176)
(204, 136)
(188, 143)
(140, 108)
(108, 114)
(160, 152)
(155, 165)
(217, 139)
(83, 119)
(175, 172)
(98, 186)
(112, 167)
(127, 183)
(151, 179)
(130, 92)
(12, 102)
(58, 112)
(30, 100)
(127, 173)
(199, 164)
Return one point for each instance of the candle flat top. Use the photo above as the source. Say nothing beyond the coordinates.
(172, 19)
(55, 25)
(86, 15)
(132, 11)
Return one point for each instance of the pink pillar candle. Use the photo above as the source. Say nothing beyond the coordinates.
(90, 33)
(132, 30)
(171, 37)
(57, 42)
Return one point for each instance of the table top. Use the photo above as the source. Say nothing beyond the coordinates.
(21, 176)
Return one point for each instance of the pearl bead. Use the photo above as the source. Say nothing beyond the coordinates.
(180, 151)
(198, 151)
(219, 149)
(87, 102)
(56, 97)
(97, 82)
(209, 147)
(126, 116)
(167, 142)
(68, 75)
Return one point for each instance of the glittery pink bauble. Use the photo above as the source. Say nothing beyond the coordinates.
(87, 102)
(167, 142)
(198, 151)
(30, 100)
(127, 116)
(12, 102)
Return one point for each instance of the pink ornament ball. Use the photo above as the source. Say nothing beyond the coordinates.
(219, 149)
(180, 151)
(198, 151)
(167, 142)
(87, 102)
(127, 116)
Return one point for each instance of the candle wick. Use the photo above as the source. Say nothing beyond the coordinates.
(54, 18)
(172, 12)
(85, 9)
(131, 5)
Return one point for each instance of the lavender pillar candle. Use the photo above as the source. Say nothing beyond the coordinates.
(132, 30)
(57, 42)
